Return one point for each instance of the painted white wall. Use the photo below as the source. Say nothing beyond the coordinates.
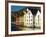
(2, 19)
(26, 18)
(36, 19)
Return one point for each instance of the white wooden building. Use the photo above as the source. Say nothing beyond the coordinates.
(28, 18)
(37, 19)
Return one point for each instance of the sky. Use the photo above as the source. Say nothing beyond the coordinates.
(33, 9)
(16, 8)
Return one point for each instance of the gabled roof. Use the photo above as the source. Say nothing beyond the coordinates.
(29, 11)
(38, 13)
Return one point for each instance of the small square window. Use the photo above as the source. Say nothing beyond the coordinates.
(31, 20)
(27, 20)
